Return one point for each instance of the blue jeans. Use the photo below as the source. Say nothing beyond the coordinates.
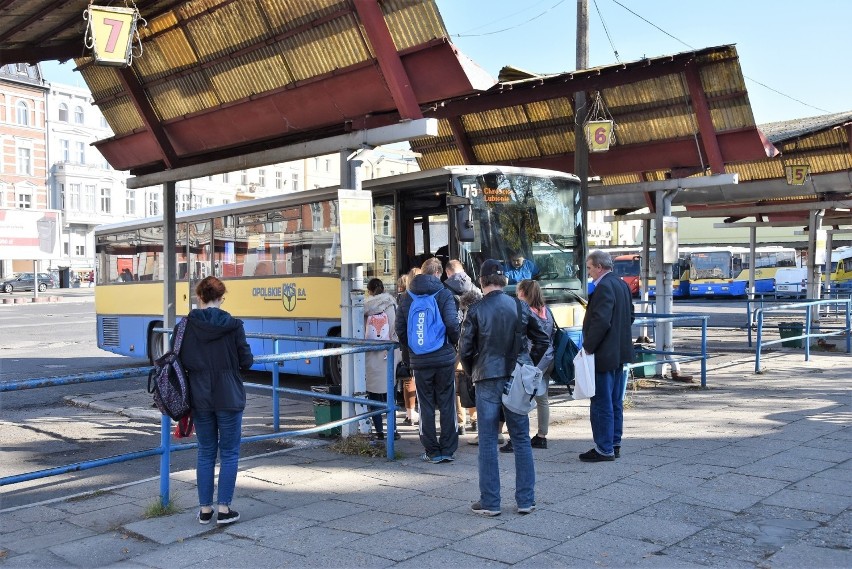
(489, 403)
(217, 431)
(606, 411)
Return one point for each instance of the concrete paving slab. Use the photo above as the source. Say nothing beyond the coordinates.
(102, 550)
(502, 545)
(397, 544)
(370, 522)
(653, 530)
(447, 558)
(601, 549)
(811, 501)
(803, 555)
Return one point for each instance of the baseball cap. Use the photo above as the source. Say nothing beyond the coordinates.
(491, 267)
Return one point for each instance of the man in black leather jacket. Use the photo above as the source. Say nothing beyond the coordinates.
(487, 351)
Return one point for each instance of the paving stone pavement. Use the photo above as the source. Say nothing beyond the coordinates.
(753, 471)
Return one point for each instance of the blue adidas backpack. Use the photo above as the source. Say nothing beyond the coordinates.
(426, 330)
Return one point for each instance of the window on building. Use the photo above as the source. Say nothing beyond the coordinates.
(130, 202)
(208, 202)
(80, 250)
(244, 178)
(25, 161)
(81, 152)
(154, 203)
(295, 179)
(104, 123)
(78, 115)
(279, 180)
(387, 262)
(316, 215)
(106, 200)
(63, 112)
(74, 196)
(261, 178)
(196, 201)
(316, 164)
(62, 196)
(386, 224)
(327, 164)
(226, 178)
(65, 147)
(23, 113)
(89, 198)
(23, 199)
(183, 201)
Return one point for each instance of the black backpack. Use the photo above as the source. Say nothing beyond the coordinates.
(564, 350)
(168, 381)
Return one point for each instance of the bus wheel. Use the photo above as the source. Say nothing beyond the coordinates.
(155, 343)
(334, 365)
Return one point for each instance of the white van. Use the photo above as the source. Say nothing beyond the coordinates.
(791, 282)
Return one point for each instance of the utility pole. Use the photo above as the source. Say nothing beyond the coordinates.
(581, 148)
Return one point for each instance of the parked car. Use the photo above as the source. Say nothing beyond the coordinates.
(25, 281)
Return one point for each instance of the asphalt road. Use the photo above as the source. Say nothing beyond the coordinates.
(40, 430)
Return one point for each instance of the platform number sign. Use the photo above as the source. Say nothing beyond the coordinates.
(797, 174)
(599, 135)
(112, 34)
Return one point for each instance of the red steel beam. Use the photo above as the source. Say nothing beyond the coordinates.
(370, 14)
(131, 86)
(705, 120)
(462, 141)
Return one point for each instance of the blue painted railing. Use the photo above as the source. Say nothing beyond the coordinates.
(672, 356)
(798, 308)
(166, 448)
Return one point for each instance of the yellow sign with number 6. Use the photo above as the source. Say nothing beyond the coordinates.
(112, 32)
(599, 135)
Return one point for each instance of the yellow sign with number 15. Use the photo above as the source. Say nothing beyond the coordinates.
(112, 31)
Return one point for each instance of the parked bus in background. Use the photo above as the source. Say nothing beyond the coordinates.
(724, 271)
(626, 267)
(280, 256)
(680, 275)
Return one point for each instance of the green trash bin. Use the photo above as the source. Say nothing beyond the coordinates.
(640, 356)
(326, 411)
(791, 330)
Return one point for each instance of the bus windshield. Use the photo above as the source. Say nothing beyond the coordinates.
(710, 265)
(532, 220)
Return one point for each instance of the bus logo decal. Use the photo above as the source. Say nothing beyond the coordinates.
(287, 293)
(288, 298)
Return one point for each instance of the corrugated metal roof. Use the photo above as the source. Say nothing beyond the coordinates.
(649, 100)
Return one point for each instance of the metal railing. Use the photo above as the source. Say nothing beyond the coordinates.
(672, 356)
(798, 308)
(166, 447)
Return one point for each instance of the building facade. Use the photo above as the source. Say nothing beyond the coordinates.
(23, 150)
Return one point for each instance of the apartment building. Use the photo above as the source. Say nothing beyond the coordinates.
(23, 153)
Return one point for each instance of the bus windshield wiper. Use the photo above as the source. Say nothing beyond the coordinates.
(548, 239)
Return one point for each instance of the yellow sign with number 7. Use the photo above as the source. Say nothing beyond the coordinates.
(112, 31)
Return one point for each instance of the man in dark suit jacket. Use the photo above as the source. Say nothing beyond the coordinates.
(607, 335)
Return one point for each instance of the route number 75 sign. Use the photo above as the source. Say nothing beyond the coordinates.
(112, 34)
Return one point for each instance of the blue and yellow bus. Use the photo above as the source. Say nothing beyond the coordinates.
(280, 256)
(680, 275)
(724, 271)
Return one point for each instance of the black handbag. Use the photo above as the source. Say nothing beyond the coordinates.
(465, 389)
(402, 371)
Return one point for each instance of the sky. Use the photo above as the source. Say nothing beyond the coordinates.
(794, 54)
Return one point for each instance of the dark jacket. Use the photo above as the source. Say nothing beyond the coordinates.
(446, 355)
(213, 352)
(487, 345)
(607, 325)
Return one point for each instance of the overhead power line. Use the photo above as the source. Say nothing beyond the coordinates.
(510, 27)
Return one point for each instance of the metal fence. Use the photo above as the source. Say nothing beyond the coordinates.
(673, 356)
(166, 447)
(802, 309)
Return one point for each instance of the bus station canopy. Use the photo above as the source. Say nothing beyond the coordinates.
(219, 79)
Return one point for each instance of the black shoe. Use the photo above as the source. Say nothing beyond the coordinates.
(407, 422)
(228, 517)
(473, 426)
(538, 442)
(204, 517)
(461, 430)
(594, 456)
(617, 451)
(507, 447)
(380, 436)
(396, 435)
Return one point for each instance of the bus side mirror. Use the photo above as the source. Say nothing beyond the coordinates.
(464, 225)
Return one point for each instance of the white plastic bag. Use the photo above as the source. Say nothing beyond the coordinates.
(584, 375)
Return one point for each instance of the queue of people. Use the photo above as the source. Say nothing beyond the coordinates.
(451, 336)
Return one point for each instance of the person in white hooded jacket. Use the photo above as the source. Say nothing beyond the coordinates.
(379, 324)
